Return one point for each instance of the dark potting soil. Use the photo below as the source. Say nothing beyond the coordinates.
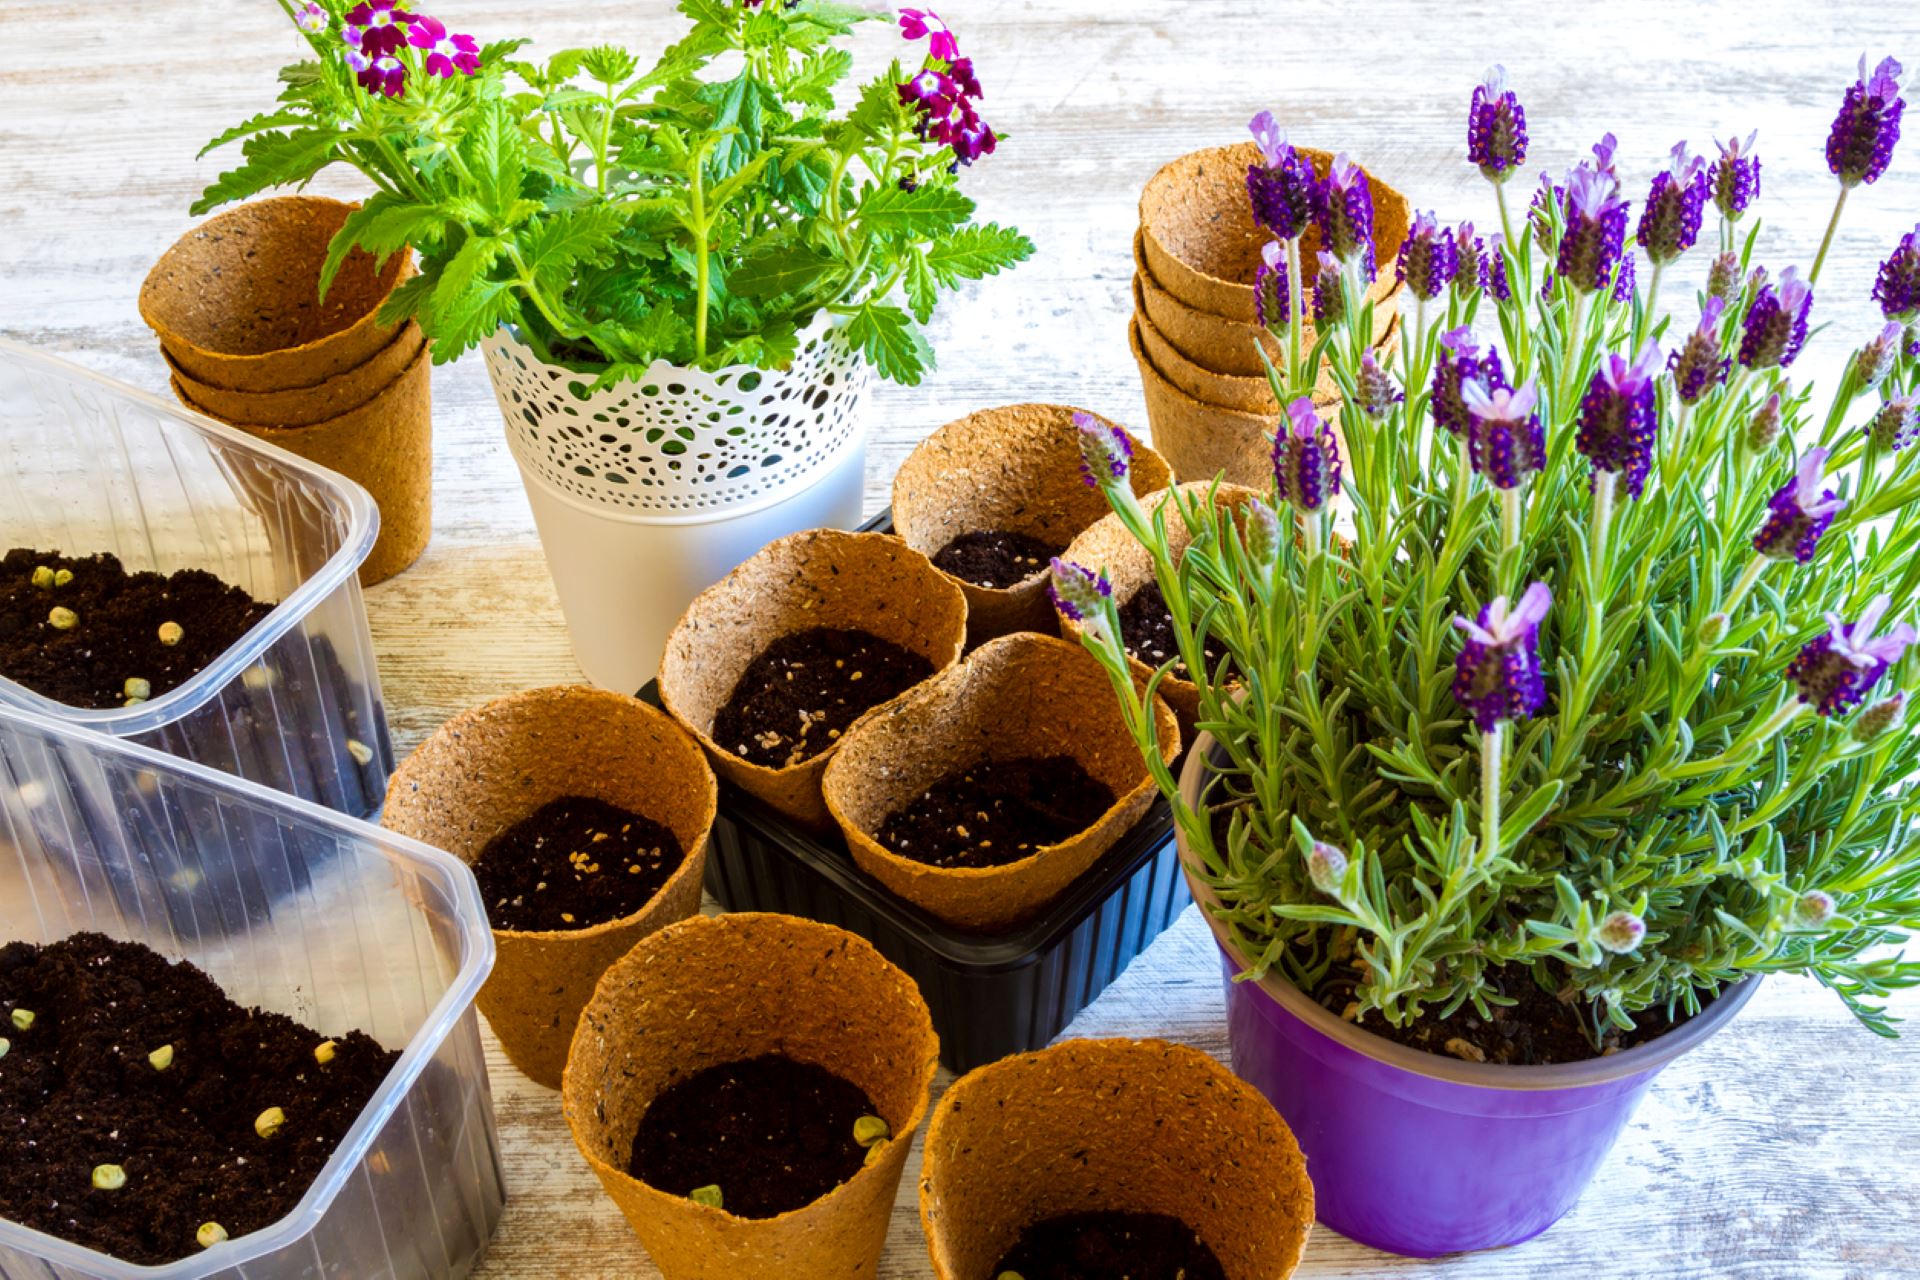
(996, 558)
(1146, 628)
(77, 1091)
(772, 1133)
(997, 812)
(116, 635)
(574, 863)
(1111, 1246)
(797, 698)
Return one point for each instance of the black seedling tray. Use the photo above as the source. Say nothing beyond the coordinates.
(991, 994)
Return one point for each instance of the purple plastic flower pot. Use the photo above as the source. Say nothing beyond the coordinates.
(1420, 1154)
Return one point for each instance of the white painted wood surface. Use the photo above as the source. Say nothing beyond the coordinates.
(1788, 1147)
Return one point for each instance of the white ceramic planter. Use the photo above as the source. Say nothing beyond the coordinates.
(648, 492)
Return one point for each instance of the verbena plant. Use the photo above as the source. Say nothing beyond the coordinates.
(1606, 681)
(616, 215)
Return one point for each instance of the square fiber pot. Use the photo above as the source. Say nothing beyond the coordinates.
(990, 994)
(387, 936)
(88, 465)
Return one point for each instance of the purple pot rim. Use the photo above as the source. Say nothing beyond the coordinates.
(1641, 1059)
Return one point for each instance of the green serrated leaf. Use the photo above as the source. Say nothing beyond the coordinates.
(256, 124)
(972, 253)
(919, 214)
(274, 159)
(495, 155)
(923, 290)
(778, 271)
(891, 342)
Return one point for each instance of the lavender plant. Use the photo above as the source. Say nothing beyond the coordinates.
(616, 215)
(1602, 672)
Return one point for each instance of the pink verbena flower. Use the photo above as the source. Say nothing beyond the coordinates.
(925, 24)
(447, 54)
(385, 75)
(312, 19)
(381, 27)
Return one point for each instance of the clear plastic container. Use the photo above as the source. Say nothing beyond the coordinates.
(89, 465)
(369, 931)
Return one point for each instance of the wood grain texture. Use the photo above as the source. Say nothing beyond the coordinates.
(1787, 1147)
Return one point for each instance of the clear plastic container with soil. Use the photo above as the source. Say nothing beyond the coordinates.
(990, 994)
(382, 936)
(91, 467)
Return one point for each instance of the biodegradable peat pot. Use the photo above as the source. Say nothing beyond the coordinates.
(710, 991)
(1136, 1126)
(1201, 243)
(1014, 469)
(1416, 1153)
(1107, 547)
(1204, 440)
(1021, 695)
(304, 406)
(870, 582)
(488, 768)
(236, 301)
(385, 445)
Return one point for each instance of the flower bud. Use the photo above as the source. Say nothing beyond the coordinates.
(1326, 867)
(1377, 391)
(1764, 430)
(1260, 527)
(1879, 718)
(1813, 908)
(1105, 451)
(1620, 932)
(1081, 595)
(1329, 294)
(1875, 360)
(1723, 277)
(1897, 425)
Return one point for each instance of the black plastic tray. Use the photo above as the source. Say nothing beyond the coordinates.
(991, 994)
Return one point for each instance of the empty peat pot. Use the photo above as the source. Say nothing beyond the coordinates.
(1135, 1126)
(1022, 696)
(491, 767)
(867, 582)
(1200, 440)
(1014, 469)
(712, 991)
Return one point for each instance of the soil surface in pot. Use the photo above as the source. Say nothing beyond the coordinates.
(79, 1090)
(114, 634)
(797, 698)
(1146, 628)
(772, 1133)
(997, 812)
(1111, 1246)
(996, 558)
(574, 863)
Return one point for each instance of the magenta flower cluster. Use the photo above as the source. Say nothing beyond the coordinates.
(944, 90)
(377, 31)
(1287, 196)
(1838, 669)
(1596, 228)
(1272, 288)
(1497, 674)
(1505, 441)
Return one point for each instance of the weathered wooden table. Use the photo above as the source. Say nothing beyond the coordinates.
(1787, 1147)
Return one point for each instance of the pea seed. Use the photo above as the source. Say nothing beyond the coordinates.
(210, 1234)
(136, 688)
(868, 1130)
(61, 618)
(109, 1177)
(161, 1058)
(708, 1196)
(23, 1019)
(172, 633)
(61, 577)
(1009, 1275)
(5, 1045)
(323, 1052)
(43, 577)
(362, 753)
(268, 1122)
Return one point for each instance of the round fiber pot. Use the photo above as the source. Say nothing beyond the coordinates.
(305, 406)
(1200, 242)
(1014, 469)
(236, 301)
(710, 991)
(488, 768)
(1204, 440)
(1520, 1143)
(1136, 1126)
(1021, 695)
(868, 582)
(386, 446)
(1107, 547)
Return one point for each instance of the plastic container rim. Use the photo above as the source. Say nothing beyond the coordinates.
(475, 962)
(363, 529)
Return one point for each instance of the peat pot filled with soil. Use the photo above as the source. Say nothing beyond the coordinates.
(1522, 1141)
(584, 815)
(747, 1088)
(993, 497)
(772, 665)
(1112, 1158)
(984, 793)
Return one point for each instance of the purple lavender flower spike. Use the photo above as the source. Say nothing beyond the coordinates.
(1897, 288)
(1623, 280)
(1799, 512)
(312, 19)
(383, 29)
(1735, 176)
(1874, 361)
(1306, 459)
(1723, 277)
(1429, 259)
(1344, 212)
(1670, 222)
(1505, 441)
(1078, 593)
(1329, 294)
(1497, 674)
(1283, 188)
(1698, 367)
(1472, 272)
(1105, 451)
(925, 24)
(1860, 146)
(1897, 425)
(1272, 289)
(1596, 230)
(1459, 363)
(1776, 323)
(1496, 127)
(1836, 671)
(1763, 430)
(1376, 391)
(1603, 152)
(448, 55)
(1619, 421)
(1546, 198)
(1493, 276)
